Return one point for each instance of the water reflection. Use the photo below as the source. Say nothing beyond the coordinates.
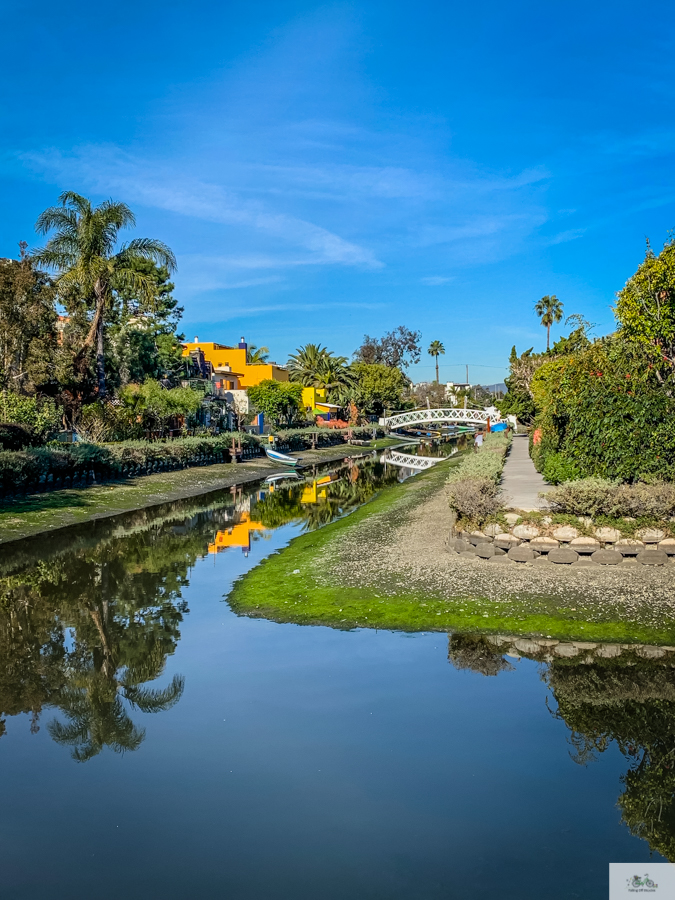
(88, 619)
(607, 695)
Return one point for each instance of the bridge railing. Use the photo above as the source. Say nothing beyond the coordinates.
(449, 414)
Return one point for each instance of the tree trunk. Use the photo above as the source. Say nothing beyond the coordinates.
(100, 360)
(548, 338)
(436, 370)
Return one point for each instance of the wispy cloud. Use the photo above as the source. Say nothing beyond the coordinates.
(435, 280)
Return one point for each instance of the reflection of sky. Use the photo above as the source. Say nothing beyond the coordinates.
(357, 165)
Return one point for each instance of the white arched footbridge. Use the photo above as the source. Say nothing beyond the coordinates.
(437, 416)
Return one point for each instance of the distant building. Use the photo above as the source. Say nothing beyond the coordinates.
(453, 388)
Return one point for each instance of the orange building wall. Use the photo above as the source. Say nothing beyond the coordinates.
(219, 355)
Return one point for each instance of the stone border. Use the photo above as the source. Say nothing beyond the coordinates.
(565, 546)
(545, 650)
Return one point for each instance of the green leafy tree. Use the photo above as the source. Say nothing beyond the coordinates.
(378, 387)
(645, 308)
(28, 333)
(90, 267)
(550, 310)
(280, 401)
(435, 350)
(398, 348)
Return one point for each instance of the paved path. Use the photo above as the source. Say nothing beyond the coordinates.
(520, 480)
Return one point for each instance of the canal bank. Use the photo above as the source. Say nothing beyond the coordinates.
(48, 512)
(388, 565)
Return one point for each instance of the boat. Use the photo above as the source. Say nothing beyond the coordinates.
(282, 458)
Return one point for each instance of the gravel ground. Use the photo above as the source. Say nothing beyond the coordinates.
(405, 550)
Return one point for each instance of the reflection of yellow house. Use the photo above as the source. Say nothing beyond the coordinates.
(230, 362)
(316, 491)
(238, 535)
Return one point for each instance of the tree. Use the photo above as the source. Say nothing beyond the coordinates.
(550, 310)
(378, 387)
(28, 318)
(90, 269)
(315, 366)
(278, 400)
(257, 356)
(399, 348)
(645, 308)
(435, 350)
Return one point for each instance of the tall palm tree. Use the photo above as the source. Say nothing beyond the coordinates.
(550, 310)
(306, 364)
(257, 356)
(436, 349)
(83, 251)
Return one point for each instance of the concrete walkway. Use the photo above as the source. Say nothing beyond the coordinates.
(520, 480)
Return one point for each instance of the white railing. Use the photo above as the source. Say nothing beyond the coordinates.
(408, 461)
(428, 416)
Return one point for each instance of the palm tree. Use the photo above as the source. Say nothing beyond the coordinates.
(305, 366)
(550, 310)
(83, 253)
(436, 349)
(257, 356)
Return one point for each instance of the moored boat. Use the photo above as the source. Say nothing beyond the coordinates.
(282, 458)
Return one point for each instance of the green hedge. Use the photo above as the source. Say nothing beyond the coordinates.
(62, 465)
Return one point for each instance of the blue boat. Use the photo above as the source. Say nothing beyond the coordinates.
(282, 458)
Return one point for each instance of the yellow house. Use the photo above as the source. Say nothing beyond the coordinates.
(230, 362)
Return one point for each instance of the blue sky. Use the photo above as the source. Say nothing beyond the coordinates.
(328, 170)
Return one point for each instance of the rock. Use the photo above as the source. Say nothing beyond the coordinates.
(651, 556)
(506, 541)
(630, 561)
(522, 554)
(512, 518)
(485, 551)
(584, 561)
(607, 557)
(546, 520)
(477, 537)
(461, 546)
(525, 532)
(469, 554)
(565, 650)
(650, 535)
(492, 529)
(629, 546)
(565, 533)
(541, 560)
(608, 535)
(525, 646)
(585, 544)
(627, 519)
(500, 559)
(563, 556)
(543, 544)
(585, 520)
(668, 546)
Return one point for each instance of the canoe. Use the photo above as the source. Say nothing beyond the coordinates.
(282, 458)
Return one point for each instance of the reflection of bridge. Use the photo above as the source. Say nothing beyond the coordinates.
(427, 416)
(408, 461)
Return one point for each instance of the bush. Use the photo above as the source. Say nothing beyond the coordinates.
(475, 499)
(38, 416)
(558, 468)
(599, 497)
(473, 486)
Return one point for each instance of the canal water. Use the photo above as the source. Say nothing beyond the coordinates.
(155, 745)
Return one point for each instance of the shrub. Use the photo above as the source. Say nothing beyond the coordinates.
(475, 499)
(558, 468)
(39, 416)
(599, 497)
(473, 490)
